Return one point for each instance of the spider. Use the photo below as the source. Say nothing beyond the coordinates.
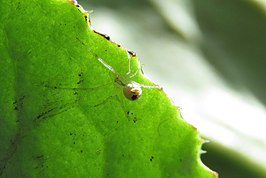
(132, 90)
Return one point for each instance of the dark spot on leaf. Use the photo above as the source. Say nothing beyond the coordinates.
(151, 158)
(80, 41)
(118, 45)
(79, 82)
(132, 117)
(132, 53)
(74, 143)
(18, 103)
(81, 151)
(37, 157)
(43, 114)
(70, 133)
(103, 35)
(80, 79)
(86, 18)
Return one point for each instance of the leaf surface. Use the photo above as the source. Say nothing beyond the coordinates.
(63, 113)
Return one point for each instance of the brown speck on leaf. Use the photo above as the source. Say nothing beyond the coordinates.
(132, 53)
(86, 18)
(103, 35)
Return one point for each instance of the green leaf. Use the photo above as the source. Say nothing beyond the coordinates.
(64, 114)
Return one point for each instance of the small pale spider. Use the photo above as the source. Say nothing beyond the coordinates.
(132, 90)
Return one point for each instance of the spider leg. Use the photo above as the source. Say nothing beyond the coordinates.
(151, 86)
(76, 88)
(136, 72)
(106, 65)
(98, 58)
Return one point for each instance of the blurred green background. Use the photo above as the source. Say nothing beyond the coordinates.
(210, 57)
